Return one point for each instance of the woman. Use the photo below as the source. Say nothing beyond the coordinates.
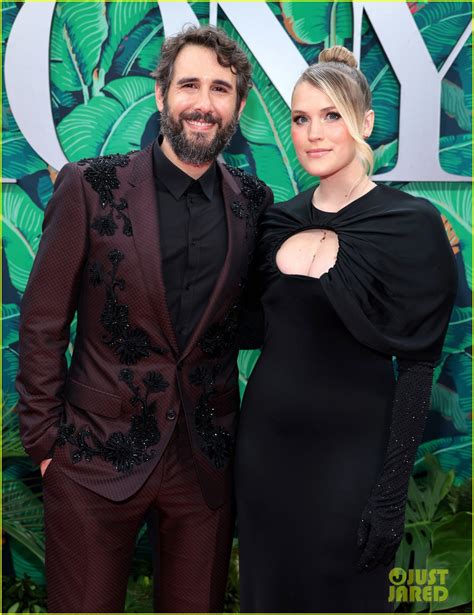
(353, 273)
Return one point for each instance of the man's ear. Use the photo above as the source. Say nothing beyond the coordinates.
(159, 98)
(241, 107)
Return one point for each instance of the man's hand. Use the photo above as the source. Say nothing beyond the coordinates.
(44, 464)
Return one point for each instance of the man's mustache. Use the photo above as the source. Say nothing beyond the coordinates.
(195, 116)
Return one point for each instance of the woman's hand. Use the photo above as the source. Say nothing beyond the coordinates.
(379, 535)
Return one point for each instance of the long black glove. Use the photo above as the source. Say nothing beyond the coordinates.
(382, 524)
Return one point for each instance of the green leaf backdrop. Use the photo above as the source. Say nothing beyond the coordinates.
(102, 98)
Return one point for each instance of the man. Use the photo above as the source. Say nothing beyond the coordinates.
(152, 249)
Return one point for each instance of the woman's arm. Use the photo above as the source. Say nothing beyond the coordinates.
(382, 524)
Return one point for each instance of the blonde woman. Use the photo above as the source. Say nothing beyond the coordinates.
(353, 274)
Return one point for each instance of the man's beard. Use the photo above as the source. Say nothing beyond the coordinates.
(196, 149)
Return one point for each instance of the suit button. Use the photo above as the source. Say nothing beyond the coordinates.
(171, 415)
(179, 366)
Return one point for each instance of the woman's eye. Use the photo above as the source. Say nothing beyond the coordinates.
(332, 116)
(299, 119)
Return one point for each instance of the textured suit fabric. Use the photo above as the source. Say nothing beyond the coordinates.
(90, 540)
(100, 254)
(109, 420)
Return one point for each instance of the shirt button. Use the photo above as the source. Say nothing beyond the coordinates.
(171, 415)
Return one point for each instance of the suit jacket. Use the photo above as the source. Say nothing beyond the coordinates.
(107, 418)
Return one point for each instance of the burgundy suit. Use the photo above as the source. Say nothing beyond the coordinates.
(108, 418)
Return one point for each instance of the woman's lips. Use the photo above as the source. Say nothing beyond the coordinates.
(317, 153)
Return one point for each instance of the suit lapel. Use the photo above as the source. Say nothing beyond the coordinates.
(231, 272)
(143, 211)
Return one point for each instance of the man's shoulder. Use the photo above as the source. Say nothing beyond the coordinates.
(252, 188)
(108, 161)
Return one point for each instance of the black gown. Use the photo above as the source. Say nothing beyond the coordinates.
(316, 412)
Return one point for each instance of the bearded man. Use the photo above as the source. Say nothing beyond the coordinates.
(152, 250)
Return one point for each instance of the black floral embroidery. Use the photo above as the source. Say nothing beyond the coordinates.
(254, 192)
(216, 443)
(96, 274)
(122, 450)
(102, 176)
(104, 225)
(221, 336)
(130, 344)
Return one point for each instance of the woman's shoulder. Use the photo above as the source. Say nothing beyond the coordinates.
(403, 201)
(290, 210)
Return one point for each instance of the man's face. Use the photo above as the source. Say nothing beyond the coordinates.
(199, 114)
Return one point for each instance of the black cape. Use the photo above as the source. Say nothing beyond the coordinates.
(395, 277)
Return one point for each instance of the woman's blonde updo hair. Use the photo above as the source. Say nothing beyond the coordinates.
(336, 74)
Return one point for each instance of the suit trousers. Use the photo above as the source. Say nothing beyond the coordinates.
(90, 540)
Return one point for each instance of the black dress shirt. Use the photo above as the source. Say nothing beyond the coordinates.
(193, 238)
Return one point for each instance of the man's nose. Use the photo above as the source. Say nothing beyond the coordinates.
(204, 102)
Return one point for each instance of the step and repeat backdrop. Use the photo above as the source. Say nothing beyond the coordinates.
(76, 84)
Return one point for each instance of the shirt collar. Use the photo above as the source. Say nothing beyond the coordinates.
(176, 181)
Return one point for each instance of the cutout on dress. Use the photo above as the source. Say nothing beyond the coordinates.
(310, 253)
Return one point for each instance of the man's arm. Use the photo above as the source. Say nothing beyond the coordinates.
(47, 309)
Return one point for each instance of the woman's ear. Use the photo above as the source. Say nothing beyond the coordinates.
(368, 123)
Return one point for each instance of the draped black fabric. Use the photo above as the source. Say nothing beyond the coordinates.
(394, 281)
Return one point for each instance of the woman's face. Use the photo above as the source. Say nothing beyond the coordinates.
(322, 141)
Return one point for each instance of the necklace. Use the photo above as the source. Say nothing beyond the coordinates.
(317, 249)
(346, 196)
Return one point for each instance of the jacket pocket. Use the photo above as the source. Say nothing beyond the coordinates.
(92, 400)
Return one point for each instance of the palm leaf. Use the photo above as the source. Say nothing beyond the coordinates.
(141, 48)
(23, 515)
(318, 22)
(85, 129)
(452, 550)
(10, 323)
(459, 334)
(446, 402)
(19, 158)
(455, 202)
(136, 96)
(441, 24)
(385, 157)
(22, 221)
(453, 104)
(453, 453)
(9, 372)
(122, 18)
(246, 362)
(455, 154)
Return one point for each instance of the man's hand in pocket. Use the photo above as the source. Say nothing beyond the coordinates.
(44, 464)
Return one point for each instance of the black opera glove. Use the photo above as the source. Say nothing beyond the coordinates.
(382, 523)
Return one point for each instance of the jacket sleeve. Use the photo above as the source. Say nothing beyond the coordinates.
(47, 309)
(251, 330)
